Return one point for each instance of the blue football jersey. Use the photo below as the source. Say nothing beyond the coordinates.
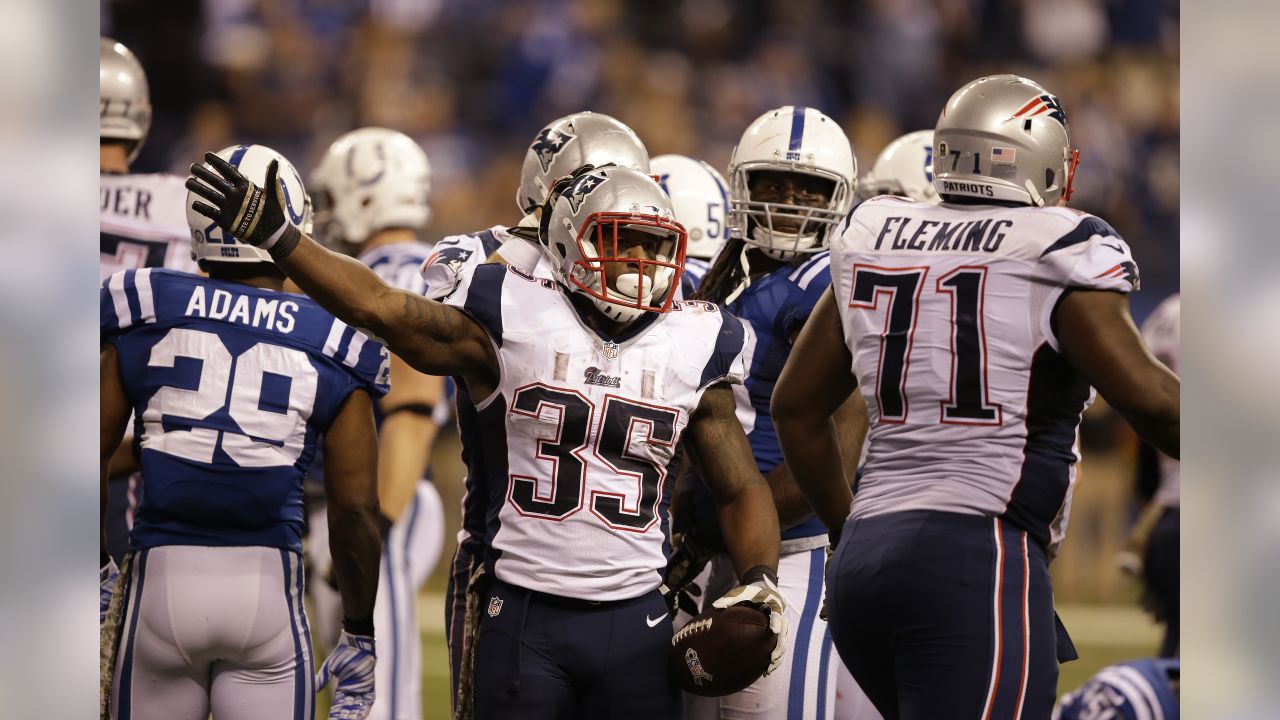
(1134, 690)
(776, 306)
(694, 270)
(231, 387)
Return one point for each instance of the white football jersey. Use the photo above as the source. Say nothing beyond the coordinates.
(399, 264)
(570, 478)
(143, 221)
(1163, 333)
(457, 255)
(947, 311)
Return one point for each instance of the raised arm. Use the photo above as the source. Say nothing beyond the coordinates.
(431, 337)
(1098, 338)
(816, 382)
(114, 417)
(406, 435)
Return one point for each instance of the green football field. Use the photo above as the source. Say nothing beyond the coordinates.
(1103, 634)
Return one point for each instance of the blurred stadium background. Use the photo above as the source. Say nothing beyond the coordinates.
(473, 80)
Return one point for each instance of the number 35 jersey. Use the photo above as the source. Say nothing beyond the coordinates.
(571, 493)
(231, 386)
(947, 311)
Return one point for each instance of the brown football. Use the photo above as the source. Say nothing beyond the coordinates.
(721, 651)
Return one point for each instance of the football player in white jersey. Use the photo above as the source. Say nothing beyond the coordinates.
(558, 150)
(700, 198)
(235, 385)
(791, 180)
(977, 329)
(904, 168)
(370, 190)
(582, 387)
(142, 224)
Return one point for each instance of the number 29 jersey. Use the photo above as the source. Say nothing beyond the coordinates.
(568, 487)
(231, 387)
(947, 311)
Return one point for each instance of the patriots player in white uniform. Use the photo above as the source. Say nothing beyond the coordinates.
(791, 180)
(232, 383)
(371, 189)
(977, 329)
(558, 150)
(903, 168)
(700, 198)
(583, 387)
(142, 224)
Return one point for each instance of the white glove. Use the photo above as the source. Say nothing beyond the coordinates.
(108, 576)
(351, 662)
(760, 587)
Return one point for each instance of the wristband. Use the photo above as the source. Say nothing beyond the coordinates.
(422, 409)
(358, 626)
(283, 241)
(758, 573)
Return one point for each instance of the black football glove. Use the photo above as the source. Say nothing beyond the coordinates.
(694, 549)
(243, 210)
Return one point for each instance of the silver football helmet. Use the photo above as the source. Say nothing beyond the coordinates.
(566, 144)
(904, 167)
(370, 179)
(124, 103)
(209, 243)
(1004, 137)
(612, 236)
(790, 139)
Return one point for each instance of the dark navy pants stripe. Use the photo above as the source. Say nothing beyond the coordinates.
(126, 670)
(800, 653)
(299, 665)
(797, 128)
(1005, 696)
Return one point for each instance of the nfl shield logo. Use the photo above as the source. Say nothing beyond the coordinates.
(611, 350)
(495, 606)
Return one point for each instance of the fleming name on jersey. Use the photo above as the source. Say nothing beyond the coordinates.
(231, 387)
(916, 284)
(578, 437)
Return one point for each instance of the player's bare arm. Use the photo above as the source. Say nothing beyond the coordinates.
(1098, 337)
(747, 516)
(351, 486)
(815, 383)
(114, 414)
(406, 435)
(429, 336)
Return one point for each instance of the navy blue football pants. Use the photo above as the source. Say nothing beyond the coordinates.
(942, 615)
(541, 656)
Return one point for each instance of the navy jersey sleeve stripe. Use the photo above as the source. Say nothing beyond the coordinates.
(728, 346)
(489, 241)
(1087, 228)
(484, 298)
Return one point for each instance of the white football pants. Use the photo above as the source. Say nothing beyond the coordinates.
(218, 630)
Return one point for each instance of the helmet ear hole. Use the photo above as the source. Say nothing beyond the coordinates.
(1026, 125)
(1048, 177)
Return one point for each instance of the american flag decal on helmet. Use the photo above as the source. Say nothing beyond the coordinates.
(1041, 105)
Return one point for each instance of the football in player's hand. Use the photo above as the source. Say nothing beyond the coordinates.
(721, 651)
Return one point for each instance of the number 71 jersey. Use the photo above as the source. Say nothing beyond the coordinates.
(569, 457)
(231, 387)
(947, 311)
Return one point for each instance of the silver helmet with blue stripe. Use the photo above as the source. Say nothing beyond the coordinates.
(791, 180)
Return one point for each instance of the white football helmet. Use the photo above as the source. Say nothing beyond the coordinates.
(700, 199)
(904, 167)
(1004, 137)
(797, 140)
(566, 144)
(124, 103)
(210, 244)
(580, 235)
(369, 180)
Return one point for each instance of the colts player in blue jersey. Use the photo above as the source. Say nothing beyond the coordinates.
(791, 180)
(232, 383)
(1145, 689)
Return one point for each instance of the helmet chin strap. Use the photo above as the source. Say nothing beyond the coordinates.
(746, 278)
(1036, 198)
(798, 242)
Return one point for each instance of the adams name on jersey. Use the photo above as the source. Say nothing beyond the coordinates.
(569, 491)
(231, 388)
(947, 311)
